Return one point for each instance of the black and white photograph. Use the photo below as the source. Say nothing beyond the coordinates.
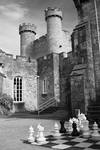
(50, 74)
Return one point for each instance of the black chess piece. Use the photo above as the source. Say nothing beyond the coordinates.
(62, 129)
(75, 131)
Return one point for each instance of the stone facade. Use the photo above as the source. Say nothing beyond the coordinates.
(86, 49)
(40, 47)
(20, 67)
(46, 71)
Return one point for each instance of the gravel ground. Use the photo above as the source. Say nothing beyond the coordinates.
(14, 130)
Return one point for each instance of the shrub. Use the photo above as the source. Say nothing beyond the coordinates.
(6, 103)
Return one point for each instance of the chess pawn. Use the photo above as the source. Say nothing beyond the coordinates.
(40, 137)
(56, 130)
(31, 138)
(75, 132)
(85, 129)
(95, 133)
(62, 129)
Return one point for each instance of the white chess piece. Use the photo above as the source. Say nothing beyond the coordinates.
(95, 133)
(38, 126)
(85, 129)
(56, 130)
(40, 137)
(31, 138)
(70, 129)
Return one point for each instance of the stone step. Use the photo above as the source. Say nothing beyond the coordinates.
(47, 114)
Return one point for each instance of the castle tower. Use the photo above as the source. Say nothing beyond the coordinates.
(27, 36)
(89, 16)
(53, 17)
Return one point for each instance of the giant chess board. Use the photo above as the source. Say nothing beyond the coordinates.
(67, 142)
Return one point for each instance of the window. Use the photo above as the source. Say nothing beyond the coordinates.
(18, 89)
(44, 86)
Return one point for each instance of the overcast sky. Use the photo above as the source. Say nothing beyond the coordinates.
(15, 12)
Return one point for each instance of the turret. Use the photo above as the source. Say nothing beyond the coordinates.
(27, 36)
(53, 17)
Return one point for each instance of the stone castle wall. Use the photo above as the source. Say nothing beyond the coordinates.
(45, 71)
(40, 47)
(48, 68)
(28, 71)
(66, 66)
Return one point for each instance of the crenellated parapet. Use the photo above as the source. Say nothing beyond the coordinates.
(53, 12)
(27, 36)
(27, 27)
(23, 59)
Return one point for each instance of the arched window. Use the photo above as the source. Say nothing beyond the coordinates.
(18, 89)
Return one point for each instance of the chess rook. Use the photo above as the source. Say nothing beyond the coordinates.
(85, 130)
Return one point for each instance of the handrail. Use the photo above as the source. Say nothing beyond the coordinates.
(46, 104)
(52, 102)
(46, 101)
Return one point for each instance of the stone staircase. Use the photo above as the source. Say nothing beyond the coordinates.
(48, 103)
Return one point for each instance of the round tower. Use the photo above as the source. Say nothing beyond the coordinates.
(53, 17)
(27, 36)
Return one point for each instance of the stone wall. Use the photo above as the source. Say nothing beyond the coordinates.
(40, 47)
(48, 68)
(78, 81)
(66, 65)
(20, 66)
(90, 12)
(79, 45)
(56, 77)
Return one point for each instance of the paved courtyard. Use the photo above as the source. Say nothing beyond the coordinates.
(14, 130)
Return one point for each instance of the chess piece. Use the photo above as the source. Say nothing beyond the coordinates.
(95, 135)
(38, 126)
(62, 129)
(75, 131)
(40, 136)
(56, 130)
(70, 129)
(31, 138)
(85, 129)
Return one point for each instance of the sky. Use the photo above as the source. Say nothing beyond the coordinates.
(15, 12)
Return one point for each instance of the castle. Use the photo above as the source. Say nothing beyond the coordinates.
(45, 74)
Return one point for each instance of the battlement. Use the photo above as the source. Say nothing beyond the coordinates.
(25, 59)
(21, 58)
(53, 12)
(27, 27)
